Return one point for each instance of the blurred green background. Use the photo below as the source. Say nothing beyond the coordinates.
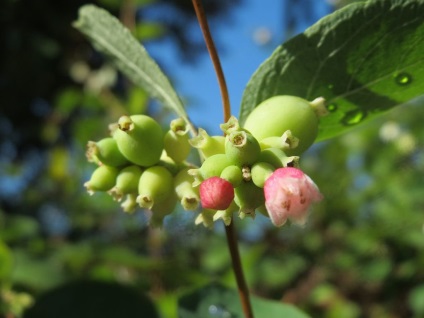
(361, 254)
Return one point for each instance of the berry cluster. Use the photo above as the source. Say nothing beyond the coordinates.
(144, 165)
(255, 167)
(251, 168)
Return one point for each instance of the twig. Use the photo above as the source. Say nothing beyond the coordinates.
(229, 229)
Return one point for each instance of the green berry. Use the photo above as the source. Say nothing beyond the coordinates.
(126, 181)
(130, 203)
(208, 145)
(242, 148)
(260, 172)
(189, 195)
(278, 114)
(140, 139)
(162, 209)
(211, 167)
(102, 179)
(231, 125)
(286, 142)
(277, 158)
(106, 152)
(248, 197)
(155, 185)
(232, 174)
(176, 141)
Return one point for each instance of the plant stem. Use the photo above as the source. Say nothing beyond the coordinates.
(201, 17)
(238, 270)
(229, 229)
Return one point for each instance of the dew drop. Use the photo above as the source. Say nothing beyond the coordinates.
(354, 117)
(403, 79)
(332, 107)
(218, 311)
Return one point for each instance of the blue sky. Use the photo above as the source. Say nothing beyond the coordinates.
(240, 56)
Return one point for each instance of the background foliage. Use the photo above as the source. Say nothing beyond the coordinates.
(360, 255)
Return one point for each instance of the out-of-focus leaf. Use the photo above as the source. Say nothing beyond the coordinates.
(148, 31)
(218, 301)
(110, 37)
(6, 261)
(363, 59)
(416, 300)
(33, 272)
(18, 228)
(92, 299)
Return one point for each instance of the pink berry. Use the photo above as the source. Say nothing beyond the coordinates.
(288, 194)
(216, 193)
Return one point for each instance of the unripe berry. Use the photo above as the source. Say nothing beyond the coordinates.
(227, 214)
(176, 140)
(278, 114)
(260, 172)
(102, 179)
(208, 145)
(231, 125)
(162, 209)
(211, 167)
(242, 148)
(206, 218)
(126, 181)
(106, 152)
(185, 191)
(140, 139)
(277, 158)
(287, 142)
(216, 193)
(155, 184)
(232, 174)
(130, 203)
(248, 197)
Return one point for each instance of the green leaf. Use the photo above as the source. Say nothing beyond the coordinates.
(218, 301)
(6, 261)
(363, 59)
(109, 36)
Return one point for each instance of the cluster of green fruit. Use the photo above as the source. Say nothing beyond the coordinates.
(237, 166)
(150, 168)
(145, 165)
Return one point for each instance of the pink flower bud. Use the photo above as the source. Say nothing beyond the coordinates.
(288, 194)
(216, 193)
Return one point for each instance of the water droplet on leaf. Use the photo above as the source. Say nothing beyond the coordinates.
(219, 312)
(332, 107)
(354, 117)
(403, 79)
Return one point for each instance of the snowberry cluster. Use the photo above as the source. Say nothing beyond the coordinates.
(251, 168)
(145, 165)
(255, 167)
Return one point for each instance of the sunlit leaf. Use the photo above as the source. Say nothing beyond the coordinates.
(110, 37)
(363, 59)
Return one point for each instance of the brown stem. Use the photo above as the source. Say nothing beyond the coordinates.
(229, 229)
(201, 17)
(238, 270)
